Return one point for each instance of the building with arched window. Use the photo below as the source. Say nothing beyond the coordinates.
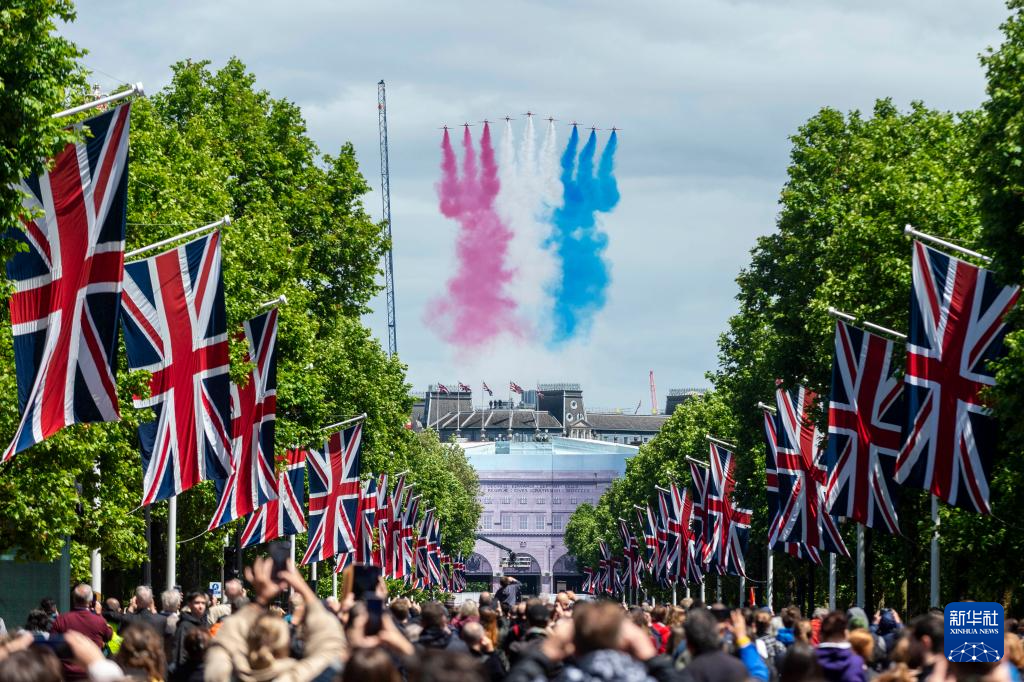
(528, 490)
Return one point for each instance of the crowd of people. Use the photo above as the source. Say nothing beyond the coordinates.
(278, 629)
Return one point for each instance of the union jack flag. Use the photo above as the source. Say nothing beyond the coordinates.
(802, 474)
(699, 477)
(284, 515)
(865, 416)
(334, 495)
(175, 327)
(459, 575)
(343, 561)
(488, 389)
(367, 515)
(606, 580)
(394, 566)
(515, 388)
(957, 313)
(434, 550)
(464, 388)
(728, 531)
(409, 537)
(64, 310)
(424, 571)
(647, 527)
(252, 481)
(667, 512)
(588, 581)
(628, 545)
(691, 569)
(781, 490)
(442, 389)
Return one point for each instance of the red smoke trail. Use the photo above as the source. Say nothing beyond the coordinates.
(476, 308)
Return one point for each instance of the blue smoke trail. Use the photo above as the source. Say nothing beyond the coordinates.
(579, 290)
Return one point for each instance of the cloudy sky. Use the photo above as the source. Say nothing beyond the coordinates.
(706, 92)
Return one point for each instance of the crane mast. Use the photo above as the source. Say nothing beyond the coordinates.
(654, 395)
(385, 197)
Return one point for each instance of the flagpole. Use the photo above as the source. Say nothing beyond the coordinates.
(344, 422)
(908, 229)
(334, 579)
(718, 588)
(674, 600)
(860, 565)
(934, 592)
(743, 587)
(769, 588)
(226, 220)
(172, 545)
(832, 581)
(703, 591)
(136, 89)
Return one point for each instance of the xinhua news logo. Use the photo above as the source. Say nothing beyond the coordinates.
(974, 632)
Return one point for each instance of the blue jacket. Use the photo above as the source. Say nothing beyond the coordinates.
(840, 663)
(755, 665)
(785, 635)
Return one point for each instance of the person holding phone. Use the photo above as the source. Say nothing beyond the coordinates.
(253, 644)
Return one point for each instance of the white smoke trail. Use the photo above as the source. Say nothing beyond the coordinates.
(523, 203)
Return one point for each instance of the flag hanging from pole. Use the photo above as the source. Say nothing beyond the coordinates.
(865, 417)
(64, 309)
(284, 515)
(957, 325)
(252, 481)
(728, 530)
(334, 495)
(175, 327)
(782, 504)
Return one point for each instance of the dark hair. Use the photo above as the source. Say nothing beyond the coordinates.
(195, 594)
(537, 614)
(38, 621)
(636, 614)
(659, 613)
(931, 626)
(143, 648)
(833, 627)
(370, 665)
(433, 615)
(195, 644)
(790, 615)
(400, 609)
(597, 626)
(800, 664)
(48, 604)
(438, 665)
(35, 664)
(701, 630)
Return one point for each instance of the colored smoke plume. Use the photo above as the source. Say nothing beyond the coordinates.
(580, 288)
(476, 307)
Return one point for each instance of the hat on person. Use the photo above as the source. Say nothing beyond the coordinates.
(857, 617)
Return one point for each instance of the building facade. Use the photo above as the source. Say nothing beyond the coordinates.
(528, 490)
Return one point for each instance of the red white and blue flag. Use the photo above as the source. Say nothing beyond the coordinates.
(588, 581)
(668, 536)
(957, 313)
(175, 327)
(64, 310)
(515, 388)
(442, 389)
(253, 410)
(865, 417)
(284, 515)
(464, 388)
(699, 476)
(334, 491)
(365, 533)
(802, 473)
(781, 502)
(647, 526)
(728, 530)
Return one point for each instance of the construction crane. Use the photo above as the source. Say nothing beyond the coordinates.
(385, 198)
(654, 395)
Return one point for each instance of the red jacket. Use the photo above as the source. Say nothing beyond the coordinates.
(664, 633)
(90, 624)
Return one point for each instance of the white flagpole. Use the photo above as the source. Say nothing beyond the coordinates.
(703, 591)
(934, 592)
(172, 544)
(95, 558)
(770, 587)
(743, 587)
(136, 89)
(860, 565)
(908, 229)
(831, 582)
(226, 220)
(334, 579)
(674, 601)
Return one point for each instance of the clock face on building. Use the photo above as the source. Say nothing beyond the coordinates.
(573, 404)
(568, 416)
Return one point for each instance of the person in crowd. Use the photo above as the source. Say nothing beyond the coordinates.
(774, 650)
(499, 667)
(253, 646)
(49, 606)
(481, 649)
(926, 650)
(234, 591)
(84, 619)
(888, 626)
(659, 614)
(835, 654)
(170, 605)
(142, 611)
(863, 644)
(195, 617)
(803, 632)
(400, 613)
(468, 613)
(710, 662)
(509, 593)
(112, 613)
(787, 633)
(486, 599)
(800, 664)
(141, 654)
(30, 664)
(370, 665)
(436, 634)
(816, 617)
(437, 665)
(538, 617)
(192, 670)
(599, 644)
(38, 624)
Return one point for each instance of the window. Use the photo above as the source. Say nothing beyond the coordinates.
(539, 522)
(556, 500)
(523, 500)
(573, 500)
(486, 521)
(506, 500)
(559, 521)
(540, 500)
(488, 500)
(524, 522)
(506, 521)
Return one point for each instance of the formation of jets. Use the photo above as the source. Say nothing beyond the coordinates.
(530, 114)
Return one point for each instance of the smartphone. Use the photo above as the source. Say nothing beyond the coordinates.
(280, 552)
(374, 614)
(57, 644)
(364, 580)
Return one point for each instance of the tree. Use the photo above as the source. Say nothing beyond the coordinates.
(39, 74)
